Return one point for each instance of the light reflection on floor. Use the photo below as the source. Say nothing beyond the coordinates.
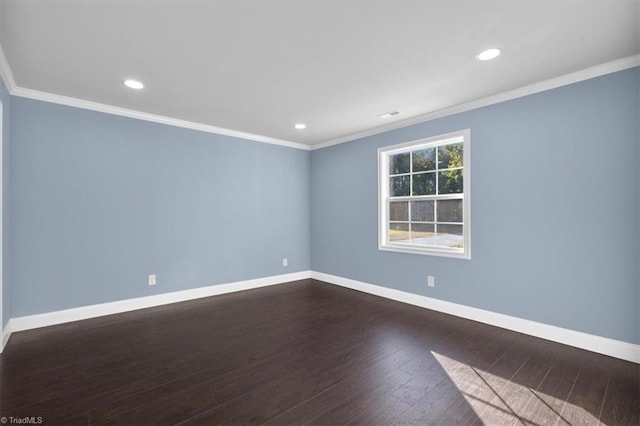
(504, 401)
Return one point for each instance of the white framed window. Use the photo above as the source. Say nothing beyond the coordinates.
(424, 196)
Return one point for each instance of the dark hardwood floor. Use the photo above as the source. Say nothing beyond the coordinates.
(306, 353)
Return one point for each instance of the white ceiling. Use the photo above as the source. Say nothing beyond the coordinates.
(262, 66)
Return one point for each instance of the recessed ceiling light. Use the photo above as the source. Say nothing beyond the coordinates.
(488, 54)
(388, 114)
(300, 126)
(134, 84)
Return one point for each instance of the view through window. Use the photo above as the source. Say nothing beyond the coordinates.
(424, 196)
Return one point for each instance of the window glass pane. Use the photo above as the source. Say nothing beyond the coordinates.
(450, 156)
(424, 159)
(424, 184)
(423, 234)
(399, 163)
(422, 211)
(450, 236)
(399, 186)
(450, 182)
(449, 210)
(399, 211)
(399, 232)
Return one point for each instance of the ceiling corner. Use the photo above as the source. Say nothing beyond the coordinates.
(6, 73)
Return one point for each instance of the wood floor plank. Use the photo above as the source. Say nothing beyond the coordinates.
(351, 408)
(306, 352)
(584, 404)
(622, 391)
(548, 399)
(246, 379)
(517, 392)
(481, 387)
(427, 374)
(97, 345)
(438, 402)
(227, 375)
(352, 388)
(262, 404)
(184, 357)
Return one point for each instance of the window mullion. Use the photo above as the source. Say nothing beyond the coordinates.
(410, 194)
(410, 173)
(409, 219)
(435, 201)
(436, 172)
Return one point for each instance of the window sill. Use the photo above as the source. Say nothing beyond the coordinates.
(425, 252)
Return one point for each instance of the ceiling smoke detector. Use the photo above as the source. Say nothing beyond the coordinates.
(388, 114)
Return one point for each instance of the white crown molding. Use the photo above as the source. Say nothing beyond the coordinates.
(574, 77)
(5, 72)
(15, 90)
(590, 342)
(139, 115)
(553, 83)
(84, 312)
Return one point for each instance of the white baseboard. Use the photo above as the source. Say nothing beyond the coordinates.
(84, 312)
(590, 342)
(603, 345)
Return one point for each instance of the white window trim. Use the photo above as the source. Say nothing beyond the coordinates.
(463, 136)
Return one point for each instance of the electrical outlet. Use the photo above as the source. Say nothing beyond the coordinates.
(285, 262)
(151, 279)
(431, 281)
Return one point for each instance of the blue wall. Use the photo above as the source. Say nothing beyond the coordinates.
(98, 202)
(95, 202)
(554, 210)
(6, 230)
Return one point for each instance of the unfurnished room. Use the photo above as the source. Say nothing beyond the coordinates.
(320, 212)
